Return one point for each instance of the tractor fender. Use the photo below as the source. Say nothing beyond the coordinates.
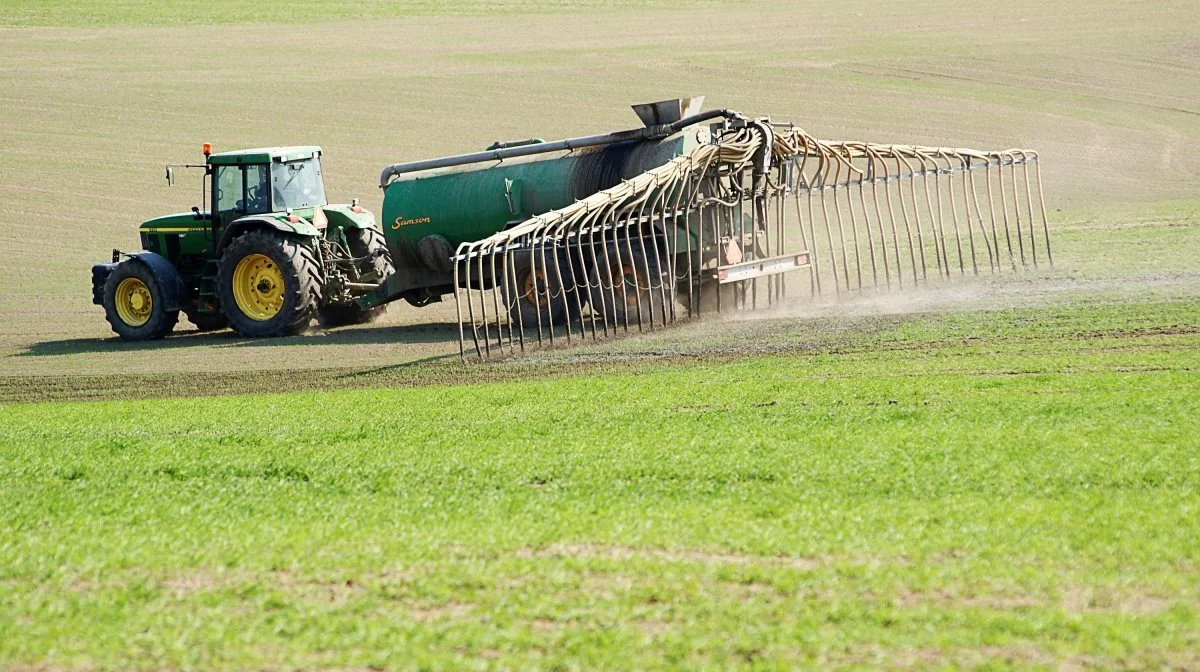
(175, 293)
(239, 226)
(344, 217)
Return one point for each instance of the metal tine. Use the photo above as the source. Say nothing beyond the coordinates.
(873, 161)
(814, 271)
(562, 229)
(608, 301)
(781, 197)
(483, 306)
(642, 221)
(862, 201)
(666, 257)
(826, 167)
(962, 161)
(962, 269)
(941, 216)
(586, 251)
(737, 181)
(462, 336)
(837, 211)
(993, 251)
(685, 203)
(625, 254)
(1016, 205)
(1028, 206)
(562, 287)
(841, 230)
(603, 219)
(912, 252)
(987, 183)
(555, 232)
(510, 275)
(1037, 171)
(694, 259)
(781, 214)
(887, 193)
(533, 274)
(749, 236)
(912, 183)
(599, 254)
(471, 310)
(496, 299)
(1004, 211)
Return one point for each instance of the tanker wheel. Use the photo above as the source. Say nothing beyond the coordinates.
(206, 321)
(269, 284)
(626, 284)
(538, 294)
(134, 303)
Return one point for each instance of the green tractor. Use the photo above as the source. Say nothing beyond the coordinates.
(269, 256)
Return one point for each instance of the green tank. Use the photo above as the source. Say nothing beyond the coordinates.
(431, 207)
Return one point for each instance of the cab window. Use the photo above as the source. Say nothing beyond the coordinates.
(243, 189)
(229, 188)
(257, 191)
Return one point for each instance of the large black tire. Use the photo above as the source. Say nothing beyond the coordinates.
(626, 284)
(206, 321)
(132, 290)
(286, 308)
(378, 266)
(539, 291)
(370, 242)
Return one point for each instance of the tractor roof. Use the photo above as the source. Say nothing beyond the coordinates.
(263, 155)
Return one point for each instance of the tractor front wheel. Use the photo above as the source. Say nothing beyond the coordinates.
(134, 304)
(269, 284)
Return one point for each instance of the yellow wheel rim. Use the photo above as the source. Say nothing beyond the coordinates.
(258, 287)
(134, 303)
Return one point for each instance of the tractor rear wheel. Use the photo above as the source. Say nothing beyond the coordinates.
(134, 303)
(369, 242)
(269, 284)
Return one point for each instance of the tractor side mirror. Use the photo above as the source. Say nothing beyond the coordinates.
(170, 177)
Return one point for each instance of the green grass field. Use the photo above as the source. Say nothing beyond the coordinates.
(1019, 489)
(999, 474)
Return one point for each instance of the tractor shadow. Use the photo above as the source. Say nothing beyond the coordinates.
(430, 334)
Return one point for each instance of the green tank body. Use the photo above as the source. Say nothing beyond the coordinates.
(426, 215)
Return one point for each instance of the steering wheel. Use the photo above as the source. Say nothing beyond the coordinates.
(255, 196)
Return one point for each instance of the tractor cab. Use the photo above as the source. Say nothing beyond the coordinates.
(265, 180)
(263, 253)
